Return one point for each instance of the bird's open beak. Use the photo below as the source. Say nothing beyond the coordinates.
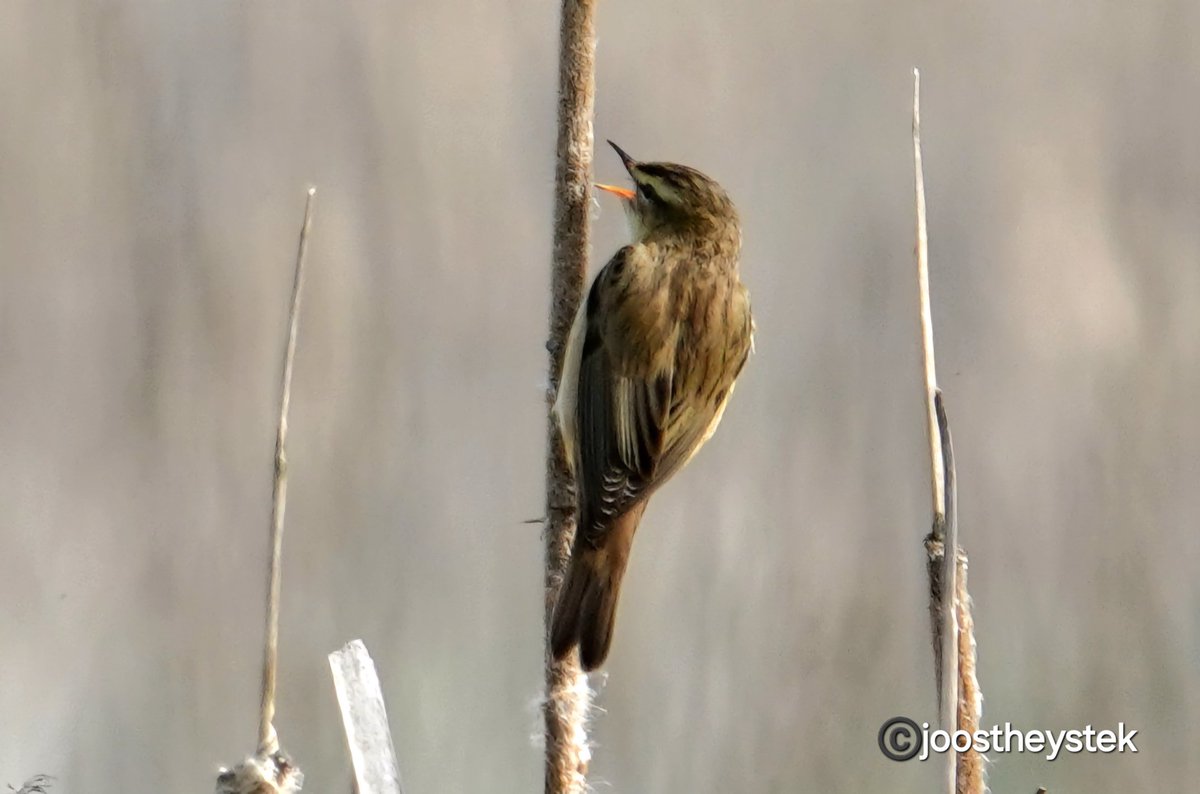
(629, 163)
(624, 193)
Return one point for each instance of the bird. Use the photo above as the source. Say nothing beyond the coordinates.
(651, 360)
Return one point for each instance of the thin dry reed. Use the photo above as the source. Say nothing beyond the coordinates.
(269, 770)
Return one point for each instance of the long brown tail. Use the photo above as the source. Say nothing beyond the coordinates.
(587, 605)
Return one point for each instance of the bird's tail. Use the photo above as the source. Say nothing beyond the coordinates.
(587, 604)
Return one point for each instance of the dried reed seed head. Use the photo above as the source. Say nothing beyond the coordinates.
(261, 774)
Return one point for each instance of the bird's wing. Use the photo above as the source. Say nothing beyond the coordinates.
(637, 423)
(620, 408)
(701, 394)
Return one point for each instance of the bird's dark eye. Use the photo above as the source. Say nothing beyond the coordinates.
(650, 193)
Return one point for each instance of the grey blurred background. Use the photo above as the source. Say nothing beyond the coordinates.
(153, 161)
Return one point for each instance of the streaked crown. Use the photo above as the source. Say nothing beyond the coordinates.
(669, 198)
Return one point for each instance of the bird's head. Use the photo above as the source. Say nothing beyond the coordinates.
(668, 199)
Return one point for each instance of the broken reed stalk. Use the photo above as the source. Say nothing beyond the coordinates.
(945, 632)
(364, 718)
(960, 702)
(567, 694)
(941, 567)
(269, 771)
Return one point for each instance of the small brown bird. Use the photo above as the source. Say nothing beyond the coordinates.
(651, 361)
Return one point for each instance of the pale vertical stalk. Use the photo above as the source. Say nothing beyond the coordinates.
(942, 576)
(926, 311)
(959, 698)
(269, 770)
(567, 693)
(268, 741)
